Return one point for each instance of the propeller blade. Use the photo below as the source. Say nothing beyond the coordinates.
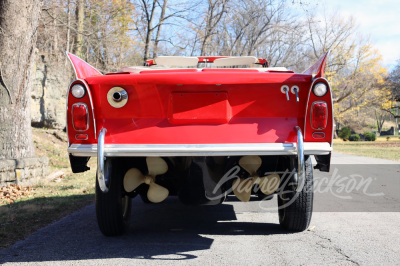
(156, 166)
(269, 184)
(242, 188)
(132, 179)
(250, 163)
(157, 193)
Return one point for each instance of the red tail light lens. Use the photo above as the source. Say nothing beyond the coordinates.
(319, 115)
(80, 117)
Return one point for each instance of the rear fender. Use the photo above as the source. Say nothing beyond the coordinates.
(318, 69)
(81, 68)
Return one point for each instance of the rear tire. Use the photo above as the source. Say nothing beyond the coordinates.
(295, 208)
(113, 208)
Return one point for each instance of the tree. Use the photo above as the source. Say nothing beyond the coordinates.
(251, 27)
(151, 15)
(393, 81)
(216, 9)
(354, 67)
(97, 31)
(392, 106)
(344, 133)
(18, 27)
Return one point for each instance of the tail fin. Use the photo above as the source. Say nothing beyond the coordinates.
(82, 69)
(318, 69)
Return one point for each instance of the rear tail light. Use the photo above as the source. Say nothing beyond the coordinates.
(319, 115)
(320, 89)
(80, 117)
(78, 91)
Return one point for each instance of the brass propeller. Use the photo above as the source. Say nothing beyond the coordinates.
(242, 187)
(134, 178)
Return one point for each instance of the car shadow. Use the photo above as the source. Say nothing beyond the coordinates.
(165, 231)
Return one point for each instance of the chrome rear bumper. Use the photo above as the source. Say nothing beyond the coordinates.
(240, 149)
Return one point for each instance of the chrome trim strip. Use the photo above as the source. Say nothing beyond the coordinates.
(100, 161)
(300, 160)
(138, 150)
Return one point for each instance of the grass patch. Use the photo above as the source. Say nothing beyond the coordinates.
(381, 148)
(49, 200)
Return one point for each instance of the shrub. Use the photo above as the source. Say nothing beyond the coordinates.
(354, 137)
(369, 136)
(344, 133)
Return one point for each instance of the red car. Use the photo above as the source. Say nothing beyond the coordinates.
(203, 129)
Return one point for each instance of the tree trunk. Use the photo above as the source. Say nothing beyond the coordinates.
(380, 119)
(18, 25)
(157, 40)
(150, 29)
(68, 29)
(80, 15)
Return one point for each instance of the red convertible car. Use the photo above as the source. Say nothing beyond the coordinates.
(203, 129)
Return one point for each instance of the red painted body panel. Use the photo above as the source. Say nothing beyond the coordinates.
(318, 69)
(199, 108)
(190, 106)
(82, 69)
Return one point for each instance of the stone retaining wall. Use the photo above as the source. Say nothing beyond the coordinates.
(49, 91)
(23, 171)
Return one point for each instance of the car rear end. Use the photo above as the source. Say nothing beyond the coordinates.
(202, 134)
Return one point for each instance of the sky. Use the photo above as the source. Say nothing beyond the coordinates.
(378, 19)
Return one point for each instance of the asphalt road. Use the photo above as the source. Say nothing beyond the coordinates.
(351, 224)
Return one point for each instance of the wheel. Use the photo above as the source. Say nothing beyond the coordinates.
(113, 208)
(295, 208)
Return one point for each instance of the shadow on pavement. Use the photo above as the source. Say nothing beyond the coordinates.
(158, 231)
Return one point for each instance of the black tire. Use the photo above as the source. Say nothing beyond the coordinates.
(296, 216)
(113, 208)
